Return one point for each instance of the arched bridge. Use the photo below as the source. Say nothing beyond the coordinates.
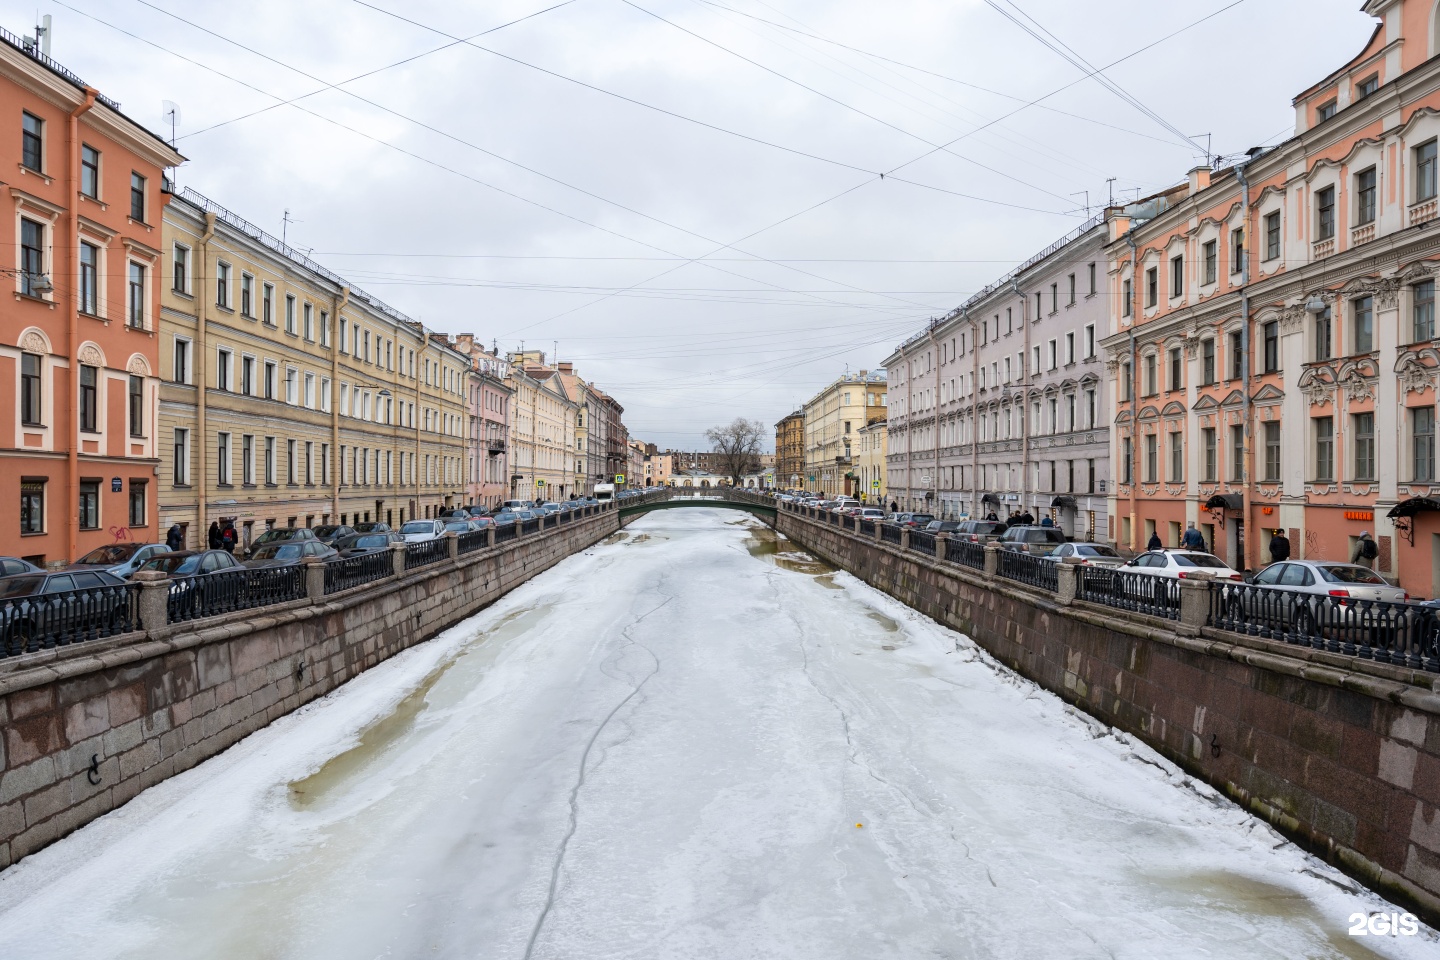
(669, 497)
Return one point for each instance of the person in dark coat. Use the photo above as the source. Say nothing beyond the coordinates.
(1193, 538)
(1027, 518)
(894, 507)
(1045, 521)
(1279, 546)
(175, 537)
(992, 517)
(228, 537)
(1365, 550)
(1155, 543)
(215, 539)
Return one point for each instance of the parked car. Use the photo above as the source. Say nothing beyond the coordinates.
(35, 604)
(119, 559)
(1181, 565)
(1308, 595)
(1036, 541)
(10, 566)
(289, 554)
(460, 526)
(942, 526)
(1089, 554)
(980, 531)
(418, 531)
(371, 526)
(550, 508)
(184, 563)
(918, 521)
(872, 513)
(482, 523)
(375, 542)
(281, 535)
(329, 533)
(515, 505)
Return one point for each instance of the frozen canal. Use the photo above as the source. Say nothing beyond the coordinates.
(690, 742)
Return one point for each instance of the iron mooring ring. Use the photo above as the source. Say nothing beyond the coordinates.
(1214, 745)
(93, 774)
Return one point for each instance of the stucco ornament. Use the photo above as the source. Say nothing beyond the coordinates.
(32, 342)
(1357, 387)
(1292, 319)
(138, 366)
(1317, 392)
(1386, 293)
(1411, 372)
(90, 355)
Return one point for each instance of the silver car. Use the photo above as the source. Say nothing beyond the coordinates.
(1089, 554)
(1308, 596)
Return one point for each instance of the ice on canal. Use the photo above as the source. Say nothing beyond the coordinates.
(692, 741)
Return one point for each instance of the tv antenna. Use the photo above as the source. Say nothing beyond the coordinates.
(1087, 201)
(170, 111)
(285, 221)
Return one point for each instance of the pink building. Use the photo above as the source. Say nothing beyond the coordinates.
(488, 476)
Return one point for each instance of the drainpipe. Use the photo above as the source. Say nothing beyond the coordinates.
(341, 302)
(974, 434)
(909, 415)
(1245, 407)
(199, 369)
(1134, 388)
(1025, 423)
(72, 320)
(935, 430)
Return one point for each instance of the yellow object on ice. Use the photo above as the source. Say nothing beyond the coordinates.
(859, 825)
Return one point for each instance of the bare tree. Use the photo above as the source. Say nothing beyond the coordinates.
(737, 447)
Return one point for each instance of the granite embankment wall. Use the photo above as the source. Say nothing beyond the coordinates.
(87, 727)
(1341, 754)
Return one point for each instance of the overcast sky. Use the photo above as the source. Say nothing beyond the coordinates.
(553, 180)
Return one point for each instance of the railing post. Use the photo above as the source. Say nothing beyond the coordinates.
(154, 600)
(992, 560)
(904, 538)
(1194, 603)
(1067, 580)
(397, 557)
(857, 523)
(314, 579)
(942, 543)
(490, 536)
(452, 545)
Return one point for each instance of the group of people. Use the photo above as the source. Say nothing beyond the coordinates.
(1366, 549)
(223, 537)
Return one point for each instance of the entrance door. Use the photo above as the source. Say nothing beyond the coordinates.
(1236, 557)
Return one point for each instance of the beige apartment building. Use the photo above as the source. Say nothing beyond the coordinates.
(289, 398)
(870, 466)
(832, 418)
(542, 431)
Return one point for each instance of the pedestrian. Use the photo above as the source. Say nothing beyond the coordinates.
(992, 517)
(1155, 543)
(1365, 550)
(227, 537)
(1045, 521)
(213, 537)
(1279, 546)
(1193, 539)
(894, 507)
(175, 537)
(1027, 518)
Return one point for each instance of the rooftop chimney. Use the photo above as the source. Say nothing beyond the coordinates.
(566, 367)
(1199, 180)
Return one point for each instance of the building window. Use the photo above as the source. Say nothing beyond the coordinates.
(1127, 382)
(1323, 338)
(1422, 436)
(137, 406)
(1367, 86)
(289, 313)
(1423, 298)
(89, 505)
(89, 279)
(1152, 286)
(1363, 425)
(137, 197)
(1151, 387)
(1207, 442)
(247, 295)
(1237, 250)
(270, 460)
(32, 506)
(1072, 288)
(1090, 341)
(1365, 196)
(30, 406)
(1175, 369)
(1272, 450)
(32, 142)
(1325, 213)
(1324, 448)
(223, 360)
(32, 258)
(138, 501)
(310, 390)
(1092, 278)
(1272, 236)
(1127, 460)
(1212, 260)
(90, 171)
(222, 284)
(309, 313)
(1425, 171)
(1271, 334)
(291, 386)
(1177, 457)
(135, 316)
(325, 331)
(247, 376)
(290, 465)
(180, 268)
(182, 361)
(89, 399)
(1363, 324)
(1237, 453)
(181, 451)
(1177, 277)
(222, 458)
(344, 336)
(1152, 458)
(1069, 348)
(269, 379)
(1325, 111)
(1207, 361)
(1125, 298)
(1237, 354)
(267, 304)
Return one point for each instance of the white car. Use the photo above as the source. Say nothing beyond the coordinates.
(1089, 554)
(872, 513)
(418, 531)
(1180, 565)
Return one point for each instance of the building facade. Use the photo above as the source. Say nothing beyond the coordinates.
(1000, 406)
(790, 450)
(831, 419)
(290, 398)
(1275, 354)
(870, 463)
(542, 431)
(79, 365)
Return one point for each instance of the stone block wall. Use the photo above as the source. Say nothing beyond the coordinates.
(85, 728)
(1340, 754)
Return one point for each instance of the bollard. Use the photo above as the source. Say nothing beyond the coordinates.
(942, 541)
(992, 560)
(154, 600)
(1194, 603)
(1068, 577)
(452, 545)
(397, 557)
(314, 579)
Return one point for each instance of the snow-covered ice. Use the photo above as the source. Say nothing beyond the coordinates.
(690, 742)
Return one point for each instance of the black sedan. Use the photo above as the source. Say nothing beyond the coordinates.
(43, 609)
(359, 543)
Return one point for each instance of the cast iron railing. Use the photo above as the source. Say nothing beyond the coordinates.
(867, 528)
(425, 552)
(922, 542)
(1031, 571)
(505, 531)
(50, 620)
(1137, 592)
(890, 533)
(530, 526)
(347, 572)
(213, 594)
(473, 540)
(967, 553)
(1406, 634)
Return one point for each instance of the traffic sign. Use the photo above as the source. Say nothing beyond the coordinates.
(539, 483)
(875, 484)
(619, 478)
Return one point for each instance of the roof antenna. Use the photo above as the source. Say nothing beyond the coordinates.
(285, 222)
(170, 111)
(42, 35)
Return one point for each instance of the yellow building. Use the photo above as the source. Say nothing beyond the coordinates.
(542, 431)
(290, 398)
(870, 461)
(832, 418)
(790, 451)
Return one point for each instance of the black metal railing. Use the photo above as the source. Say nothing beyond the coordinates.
(922, 542)
(50, 620)
(867, 528)
(347, 572)
(890, 533)
(1137, 592)
(425, 552)
(473, 540)
(530, 526)
(505, 531)
(1031, 571)
(967, 553)
(214, 594)
(1406, 634)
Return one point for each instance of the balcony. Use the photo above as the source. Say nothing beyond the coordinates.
(1424, 210)
(1323, 249)
(1362, 234)
(495, 445)
(843, 460)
